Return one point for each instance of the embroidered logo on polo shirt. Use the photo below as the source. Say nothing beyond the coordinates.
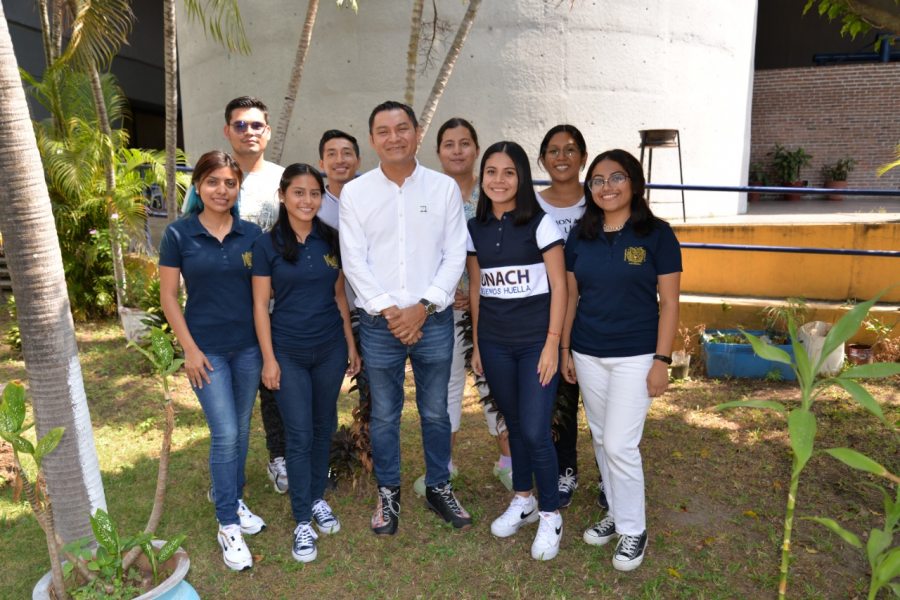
(635, 255)
(248, 258)
(330, 260)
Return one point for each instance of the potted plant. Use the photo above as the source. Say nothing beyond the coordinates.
(788, 164)
(681, 359)
(836, 176)
(861, 354)
(108, 569)
(758, 176)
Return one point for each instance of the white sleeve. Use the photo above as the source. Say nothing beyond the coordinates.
(548, 233)
(369, 294)
(443, 288)
(470, 245)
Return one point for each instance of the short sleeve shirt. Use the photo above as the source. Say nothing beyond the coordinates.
(219, 307)
(618, 307)
(565, 217)
(305, 313)
(514, 303)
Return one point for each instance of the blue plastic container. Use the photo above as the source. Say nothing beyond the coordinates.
(739, 360)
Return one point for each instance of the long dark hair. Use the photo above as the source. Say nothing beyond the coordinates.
(642, 219)
(206, 164)
(526, 203)
(284, 240)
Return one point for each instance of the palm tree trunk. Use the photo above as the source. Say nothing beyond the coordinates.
(447, 68)
(276, 147)
(45, 319)
(170, 61)
(115, 230)
(412, 53)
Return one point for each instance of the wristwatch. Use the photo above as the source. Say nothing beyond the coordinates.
(663, 358)
(430, 307)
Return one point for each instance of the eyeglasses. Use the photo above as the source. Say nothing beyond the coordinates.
(568, 152)
(253, 126)
(598, 182)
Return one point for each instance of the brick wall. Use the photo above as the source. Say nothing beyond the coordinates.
(833, 112)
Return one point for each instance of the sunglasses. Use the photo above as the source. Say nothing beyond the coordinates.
(253, 126)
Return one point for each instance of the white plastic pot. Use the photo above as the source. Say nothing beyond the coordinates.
(174, 587)
(812, 336)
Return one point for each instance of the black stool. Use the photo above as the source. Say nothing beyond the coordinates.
(662, 138)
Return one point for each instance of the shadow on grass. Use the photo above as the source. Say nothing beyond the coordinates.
(716, 486)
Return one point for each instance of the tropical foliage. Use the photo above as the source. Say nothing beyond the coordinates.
(73, 150)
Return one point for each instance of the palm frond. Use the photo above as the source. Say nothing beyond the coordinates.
(221, 20)
(99, 29)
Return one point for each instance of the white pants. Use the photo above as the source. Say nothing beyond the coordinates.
(457, 385)
(616, 401)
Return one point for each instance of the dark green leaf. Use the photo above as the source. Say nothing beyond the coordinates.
(857, 460)
(105, 531)
(848, 536)
(766, 350)
(162, 348)
(12, 409)
(752, 404)
(48, 443)
(802, 428)
(21, 445)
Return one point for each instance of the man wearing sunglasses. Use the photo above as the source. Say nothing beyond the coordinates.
(247, 130)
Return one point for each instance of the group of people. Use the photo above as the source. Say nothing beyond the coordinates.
(575, 286)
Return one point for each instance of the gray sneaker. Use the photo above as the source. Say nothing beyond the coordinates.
(277, 472)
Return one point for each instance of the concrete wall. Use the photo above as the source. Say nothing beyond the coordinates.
(833, 112)
(778, 275)
(610, 68)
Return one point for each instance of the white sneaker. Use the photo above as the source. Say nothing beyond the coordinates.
(234, 550)
(549, 533)
(522, 510)
(324, 517)
(304, 548)
(250, 523)
(277, 472)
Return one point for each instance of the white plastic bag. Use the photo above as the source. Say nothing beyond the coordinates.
(812, 336)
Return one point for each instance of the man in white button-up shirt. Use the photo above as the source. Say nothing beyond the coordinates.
(403, 248)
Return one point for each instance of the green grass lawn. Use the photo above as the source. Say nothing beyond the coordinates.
(716, 485)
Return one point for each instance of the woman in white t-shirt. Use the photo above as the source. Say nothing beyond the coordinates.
(563, 154)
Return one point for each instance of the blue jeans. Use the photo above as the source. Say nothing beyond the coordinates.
(527, 406)
(385, 358)
(227, 402)
(310, 383)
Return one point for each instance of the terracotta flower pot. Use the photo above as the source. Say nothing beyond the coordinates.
(794, 184)
(835, 185)
(859, 354)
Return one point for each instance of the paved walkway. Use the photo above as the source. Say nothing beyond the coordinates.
(811, 210)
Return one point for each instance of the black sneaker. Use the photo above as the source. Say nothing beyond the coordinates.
(602, 502)
(568, 482)
(441, 500)
(630, 552)
(387, 511)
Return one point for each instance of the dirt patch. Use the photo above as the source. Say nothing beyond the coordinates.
(7, 464)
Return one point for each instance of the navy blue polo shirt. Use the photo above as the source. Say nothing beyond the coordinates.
(305, 313)
(618, 308)
(514, 303)
(219, 308)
